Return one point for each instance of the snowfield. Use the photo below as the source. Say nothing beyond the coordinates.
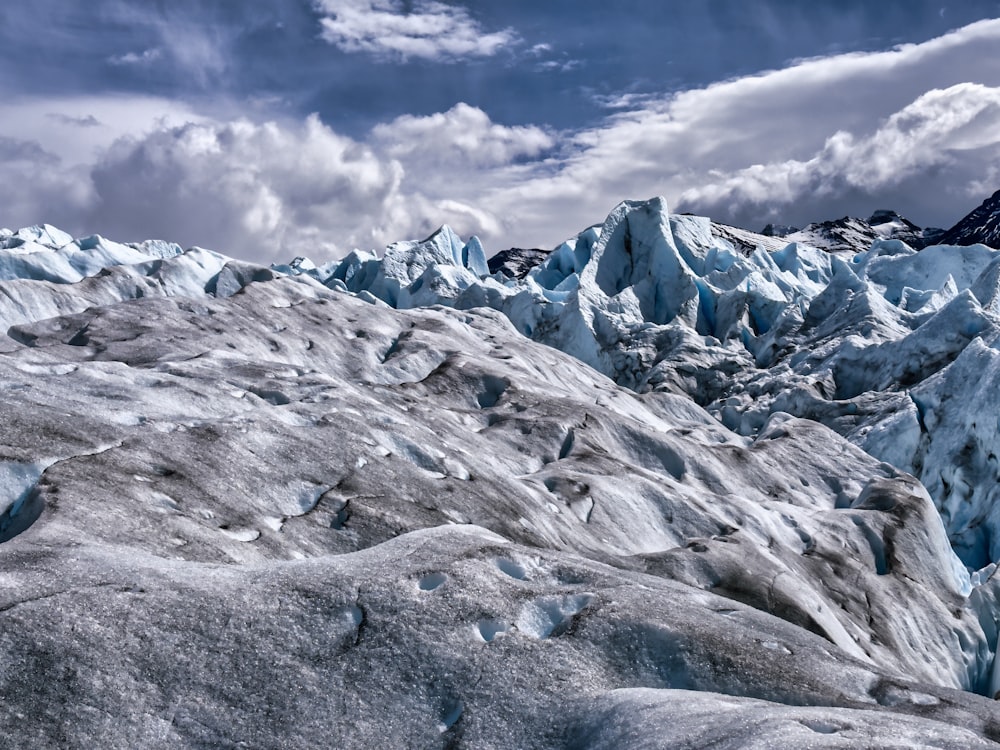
(664, 491)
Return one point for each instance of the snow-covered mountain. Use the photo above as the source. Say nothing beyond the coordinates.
(851, 235)
(664, 491)
(846, 236)
(982, 226)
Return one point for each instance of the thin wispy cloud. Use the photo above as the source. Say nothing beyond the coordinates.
(26, 152)
(82, 121)
(428, 30)
(146, 57)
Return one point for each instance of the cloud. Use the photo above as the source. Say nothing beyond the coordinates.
(462, 137)
(254, 191)
(758, 129)
(194, 43)
(68, 126)
(915, 128)
(954, 131)
(431, 30)
(558, 66)
(262, 191)
(452, 160)
(82, 121)
(267, 191)
(146, 57)
(33, 179)
(13, 150)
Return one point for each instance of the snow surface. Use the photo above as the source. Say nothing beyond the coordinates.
(665, 491)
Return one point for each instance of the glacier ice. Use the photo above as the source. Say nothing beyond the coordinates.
(662, 302)
(272, 513)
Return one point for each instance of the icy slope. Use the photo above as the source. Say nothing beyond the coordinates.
(265, 511)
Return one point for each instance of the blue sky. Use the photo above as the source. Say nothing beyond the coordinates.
(283, 127)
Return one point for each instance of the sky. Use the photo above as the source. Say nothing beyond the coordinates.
(275, 128)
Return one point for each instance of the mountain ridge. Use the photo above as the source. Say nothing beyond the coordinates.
(847, 235)
(981, 225)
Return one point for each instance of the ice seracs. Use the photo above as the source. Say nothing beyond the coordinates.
(662, 301)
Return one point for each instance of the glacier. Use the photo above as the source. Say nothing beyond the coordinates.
(869, 345)
(663, 491)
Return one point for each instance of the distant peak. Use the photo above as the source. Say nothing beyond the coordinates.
(778, 230)
(982, 226)
(884, 216)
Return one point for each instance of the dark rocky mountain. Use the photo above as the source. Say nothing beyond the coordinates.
(516, 262)
(982, 226)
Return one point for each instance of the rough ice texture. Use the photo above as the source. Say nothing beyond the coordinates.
(249, 507)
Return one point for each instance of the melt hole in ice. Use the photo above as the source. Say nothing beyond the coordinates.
(301, 498)
(877, 544)
(273, 397)
(493, 388)
(567, 444)
(356, 614)
(819, 726)
(451, 716)
(163, 503)
(432, 581)
(456, 469)
(511, 568)
(342, 514)
(551, 616)
(275, 523)
(18, 493)
(490, 629)
(775, 646)
(240, 535)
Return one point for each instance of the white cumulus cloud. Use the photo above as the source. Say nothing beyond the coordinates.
(252, 190)
(462, 137)
(427, 29)
(953, 131)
